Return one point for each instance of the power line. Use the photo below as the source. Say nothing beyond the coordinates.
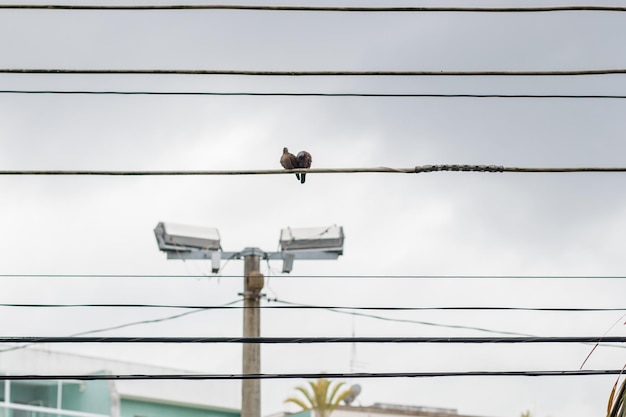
(268, 73)
(316, 8)
(317, 94)
(215, 172)
(449, 326)
(334, 309)
(387, 170)
(316, 340)
(118, 377)
(441, 325)
(292, 306)
(351, 276)
(152, 321)
(134, 323)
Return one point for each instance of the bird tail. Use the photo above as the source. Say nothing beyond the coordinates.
(302, 178)
(298, 176)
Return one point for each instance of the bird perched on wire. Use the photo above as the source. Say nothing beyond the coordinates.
(303, 160)
(289, 161)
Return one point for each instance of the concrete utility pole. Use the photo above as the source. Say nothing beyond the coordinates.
(192, 242)
(253, 284)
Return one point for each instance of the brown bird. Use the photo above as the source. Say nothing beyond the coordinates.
(289, 161)
(303, 160)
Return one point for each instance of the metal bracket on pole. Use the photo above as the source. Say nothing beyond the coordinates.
(288, 262)
(216, 257)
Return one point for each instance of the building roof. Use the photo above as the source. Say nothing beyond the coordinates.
(388, 410)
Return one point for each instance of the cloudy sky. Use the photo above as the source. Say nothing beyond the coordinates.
(427, 226)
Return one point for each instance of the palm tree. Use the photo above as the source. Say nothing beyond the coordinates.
(617, 404)
(320, 397)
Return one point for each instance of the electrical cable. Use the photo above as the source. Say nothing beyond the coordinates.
(451, 326)
(315, 340)
(290, 306)
(450, 9)
(440, 325)
(135, 323)
(351, 276)
(118, 377)
(317, 94)
(151, 321)
(339, 310)
(428, 323)
(387, 170)
(316, 73)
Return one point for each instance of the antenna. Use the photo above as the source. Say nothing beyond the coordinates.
(353, 348)
(355, 389)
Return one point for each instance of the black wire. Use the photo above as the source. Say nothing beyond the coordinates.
(296, 306)
(314, 73)
(152, 321)
(315, 340)
(93, 377)
(317, 8)
(420, 169)
(426, 323)
(341, 310)
(134, 323)
(309, 94)
(351, 276)
(290, 304)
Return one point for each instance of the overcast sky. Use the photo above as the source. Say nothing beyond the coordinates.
(432, 224)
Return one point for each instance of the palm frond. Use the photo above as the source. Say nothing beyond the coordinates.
(617, 404)
(322, 395)
(298, 402)
(618, 407)
(333, 393)
(341, 397)
(308, 396)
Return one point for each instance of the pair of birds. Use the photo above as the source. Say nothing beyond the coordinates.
(291, 161)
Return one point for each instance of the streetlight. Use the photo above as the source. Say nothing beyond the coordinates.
(310, 243)
(175, 238)
(193, 242)
(180, 241)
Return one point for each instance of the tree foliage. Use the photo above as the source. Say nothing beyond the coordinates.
(322, 396)
(617, 403)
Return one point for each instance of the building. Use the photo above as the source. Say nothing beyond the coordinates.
(395, 410)
(384, 410)
(106, 398)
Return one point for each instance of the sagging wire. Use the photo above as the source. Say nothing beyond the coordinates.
(131, 324)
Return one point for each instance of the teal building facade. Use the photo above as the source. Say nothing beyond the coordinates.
(105, 398)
